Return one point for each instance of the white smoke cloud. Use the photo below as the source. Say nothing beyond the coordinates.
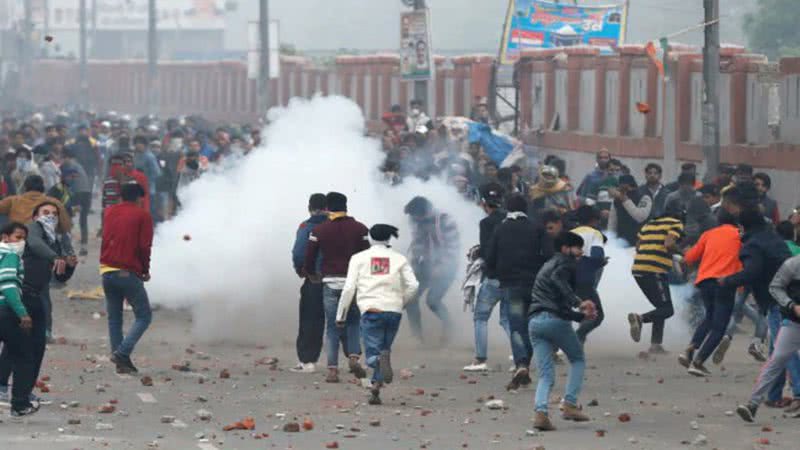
(235, 274)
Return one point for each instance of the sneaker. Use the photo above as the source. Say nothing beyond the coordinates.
(18, 414)
(385, 364)
(375, 397)
(558, 358)
(332, 376)
(124, 364)
(542, 423)
(685, 358)
(39, 401)
(747, 412)
(303, 368)
(722, 348)
(635, 322)
(517, 379)
(573, 413)
(756, 350)
(356, 369)
(698, 369)
(476, 366)
(794, 407)
(657, 349)
(525, 380)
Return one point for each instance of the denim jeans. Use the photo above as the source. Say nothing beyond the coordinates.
(742, 309)
(118, 286)
(488, 296)
(436, 288)
(379, 330)
(349, 335)
(718, 303)
(776, 322)
(518, 299)
(549, 333)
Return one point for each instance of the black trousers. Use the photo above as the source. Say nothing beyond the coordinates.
(84, 200)
(588, 292)
(37, 341)
(18, 355)
(312, 323)
(655, 287)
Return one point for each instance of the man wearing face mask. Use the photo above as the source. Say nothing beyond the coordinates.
(417, 118)
(550, 192)
(43, 257)
(19, 207)
(190, 168)
(591, 183)
(15, 322)
(25, 167)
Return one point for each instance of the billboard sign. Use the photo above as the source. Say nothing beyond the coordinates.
(534, 24)
(416, 60)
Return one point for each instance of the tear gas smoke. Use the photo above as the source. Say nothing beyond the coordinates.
(235, 272)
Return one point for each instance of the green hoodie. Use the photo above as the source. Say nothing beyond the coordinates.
(11, 275)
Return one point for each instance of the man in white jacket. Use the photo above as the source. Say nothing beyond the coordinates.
(383, 283)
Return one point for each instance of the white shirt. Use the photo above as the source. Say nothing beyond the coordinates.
(380, 278)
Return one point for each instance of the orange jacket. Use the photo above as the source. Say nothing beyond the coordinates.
(718, 253)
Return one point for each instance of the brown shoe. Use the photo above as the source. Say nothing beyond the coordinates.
(573, 413)
(333, 375)
(356, 369)
(542, 423)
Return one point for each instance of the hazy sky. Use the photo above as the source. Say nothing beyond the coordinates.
(473, 25)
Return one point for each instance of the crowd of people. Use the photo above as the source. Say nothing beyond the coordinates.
(57, 165)
(539, 259)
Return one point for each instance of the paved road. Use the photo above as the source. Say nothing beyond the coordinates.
(437, 408)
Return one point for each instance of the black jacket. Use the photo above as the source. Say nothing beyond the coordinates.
(554, 290)
(487, 227)
(40, 254)
(659, 200)
(516, 252)
(762, 254)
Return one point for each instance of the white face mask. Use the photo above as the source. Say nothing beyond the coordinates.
(49, 224)
(16, 247)
(414, 112)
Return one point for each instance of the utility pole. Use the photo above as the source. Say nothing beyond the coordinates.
(46, 25)
(83, 102)
(711, 93)
(27, 47)
(421, 86)
(264, 69)
(152, 57)
(94, 28)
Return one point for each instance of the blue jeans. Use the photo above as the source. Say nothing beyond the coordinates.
(379, 331)
(436, 288)
(518, 299)
(549, 333)
(349, 335)
(118, 286)
(775, 321)
(488, 296)
(742, 309)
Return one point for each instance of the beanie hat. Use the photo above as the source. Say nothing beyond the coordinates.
(627, 180)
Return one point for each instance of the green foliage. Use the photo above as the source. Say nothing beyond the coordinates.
(774, 28)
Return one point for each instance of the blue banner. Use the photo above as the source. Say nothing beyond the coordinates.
(541, 24)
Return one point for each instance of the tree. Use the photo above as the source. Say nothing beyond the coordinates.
(772, 29)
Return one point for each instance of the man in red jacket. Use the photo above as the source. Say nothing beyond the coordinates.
(125, 266)
(337, 240)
